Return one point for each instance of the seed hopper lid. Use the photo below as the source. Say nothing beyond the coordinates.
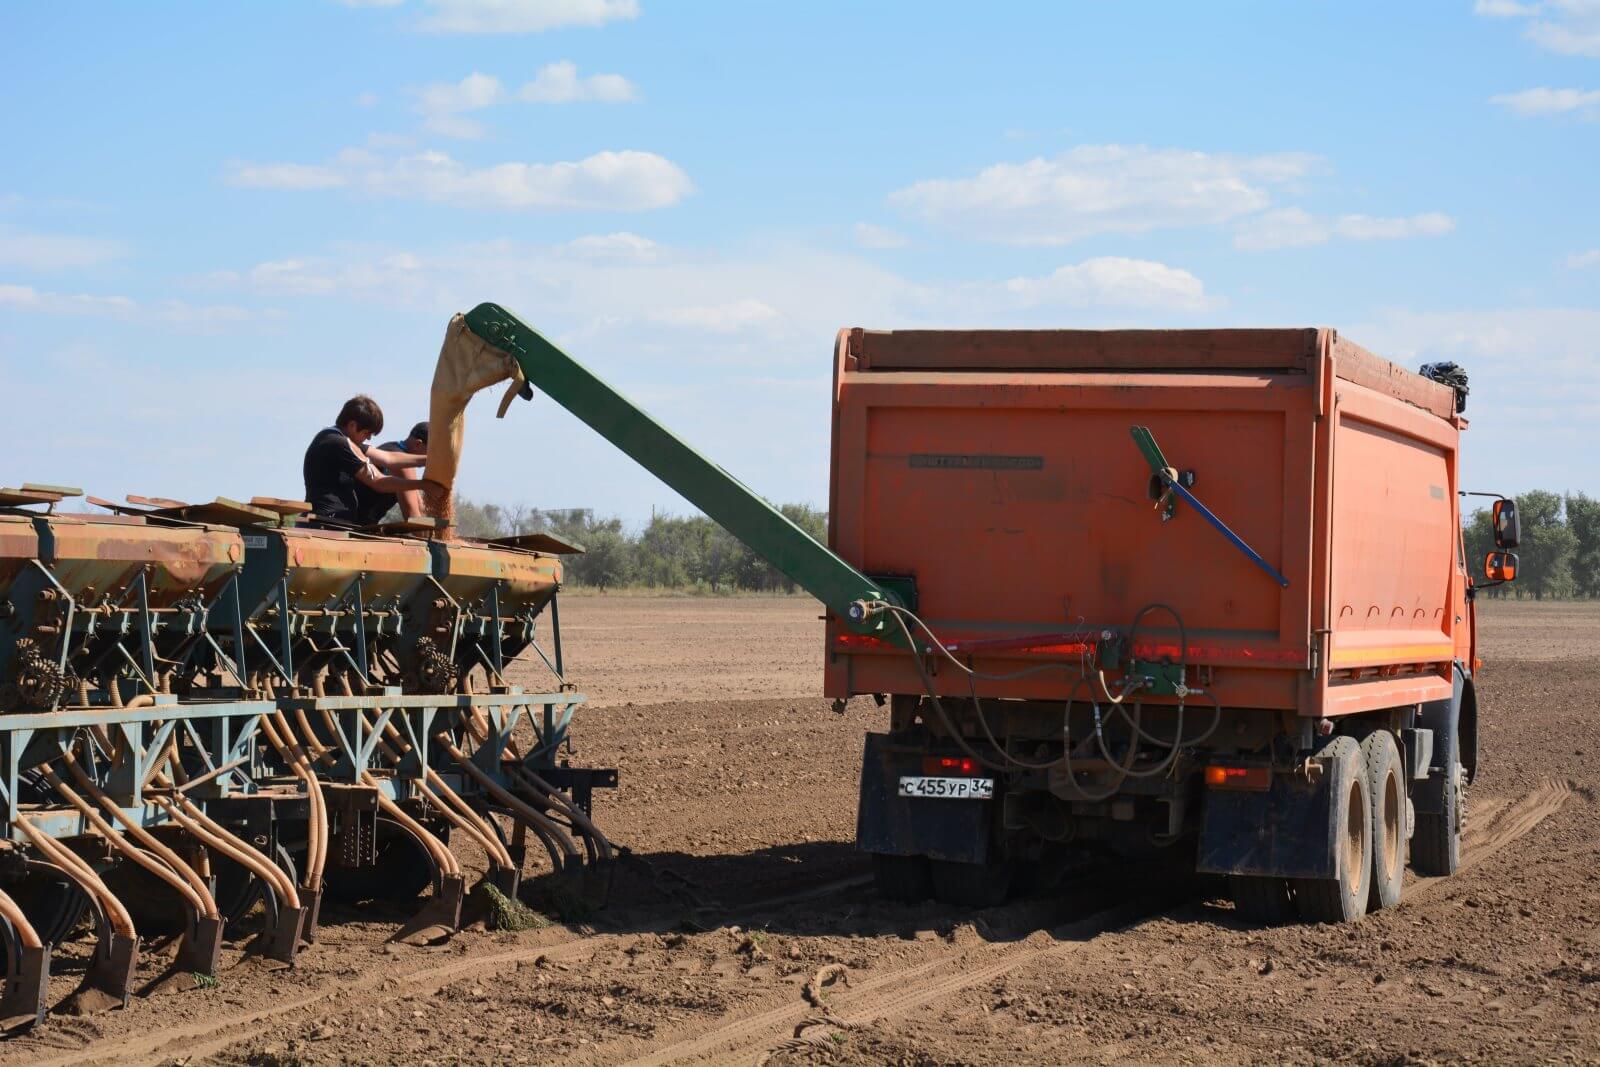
(539, 542)
(32, 493)
(220, 512)
(279, 506)
(417, 524)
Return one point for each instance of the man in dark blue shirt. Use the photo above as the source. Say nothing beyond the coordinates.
(336, 464)
(390, 458)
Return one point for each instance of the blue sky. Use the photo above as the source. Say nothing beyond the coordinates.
(217, 221)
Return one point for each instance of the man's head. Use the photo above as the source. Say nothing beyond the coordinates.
(360, 419)
(417, 440)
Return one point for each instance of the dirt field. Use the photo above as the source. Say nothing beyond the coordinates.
(738, 791)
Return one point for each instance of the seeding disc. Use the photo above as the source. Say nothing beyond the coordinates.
(51, 901)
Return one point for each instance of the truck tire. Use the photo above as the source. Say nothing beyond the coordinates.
(1343, 898)
(1264, 901)
(1387, 787)
(971, 885)
(902, 879)
(1436, 840)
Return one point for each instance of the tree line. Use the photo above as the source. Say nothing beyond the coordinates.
(672, 552)
(1559, 556)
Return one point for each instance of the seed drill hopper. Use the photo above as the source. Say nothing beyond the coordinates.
(216, 717)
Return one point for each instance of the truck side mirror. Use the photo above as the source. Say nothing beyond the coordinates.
(1507, 526)
(1500, 566)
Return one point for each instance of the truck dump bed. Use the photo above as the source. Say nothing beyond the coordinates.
(995, 471)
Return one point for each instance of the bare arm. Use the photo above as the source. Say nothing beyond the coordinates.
(396, 461)
(411, 502)
(390, 483)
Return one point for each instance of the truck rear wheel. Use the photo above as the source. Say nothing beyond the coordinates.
(903, 879)
(1261, 900)
(1382, 758)
(1344, 897)
(1436, 841)
(971, 885)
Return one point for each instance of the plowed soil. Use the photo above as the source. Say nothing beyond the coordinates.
(743, 930)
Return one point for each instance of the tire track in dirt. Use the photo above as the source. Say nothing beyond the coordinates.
(903, 990)
(899, 990)
(1504, 825)
(216, 1033)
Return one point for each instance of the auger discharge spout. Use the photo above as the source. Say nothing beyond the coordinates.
(489, 345)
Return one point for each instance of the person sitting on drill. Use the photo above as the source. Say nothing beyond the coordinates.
(392, 458)
(336, 464)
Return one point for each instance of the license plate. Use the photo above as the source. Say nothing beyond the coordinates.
(948, 788)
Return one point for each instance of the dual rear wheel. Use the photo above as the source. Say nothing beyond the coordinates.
(1368, 835)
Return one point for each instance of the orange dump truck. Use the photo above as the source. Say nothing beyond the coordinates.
(1256, 642)
(1198, 594)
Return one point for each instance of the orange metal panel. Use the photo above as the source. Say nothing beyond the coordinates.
(529, 580)
(323, 564)
(95, 557)
(996, 469)
(18, 545)
(1393, 533)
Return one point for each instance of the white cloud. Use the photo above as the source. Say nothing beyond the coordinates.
(1579, 260)
(1566, 39)
(720, 318)
(1368, 228)
(559, 83)
(1503, 8)
(283, 176)
(870, 235)
(368, 99)
(621, 290)
(606, 181)
(49, 252)
(27, 298)
(178, 313)
(1294, 228)
(1535, 391)
(1113, 282)
(1289, 227)
(620, 245)
(442, 104)
(522, 16)
(1096, 189)
(1531, 102)
(1567, 27)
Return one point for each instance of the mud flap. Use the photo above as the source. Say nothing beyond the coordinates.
(1443, 717)
(886, 822)
(1284, 831)
(23, 1004)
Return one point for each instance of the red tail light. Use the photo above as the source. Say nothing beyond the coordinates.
(1219, 776)
(935, 766)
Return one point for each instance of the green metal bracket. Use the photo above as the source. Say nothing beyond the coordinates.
(851, 595)
(1160, 679)
(1162, 473)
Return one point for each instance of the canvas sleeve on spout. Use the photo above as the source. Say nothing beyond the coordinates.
(467, 364)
